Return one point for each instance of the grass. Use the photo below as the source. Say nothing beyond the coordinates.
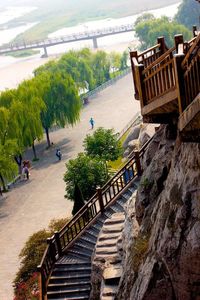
(117, 164)
(23, 53)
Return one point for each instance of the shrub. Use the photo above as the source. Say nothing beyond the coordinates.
(26, 280)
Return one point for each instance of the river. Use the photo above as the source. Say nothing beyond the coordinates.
(14, 70)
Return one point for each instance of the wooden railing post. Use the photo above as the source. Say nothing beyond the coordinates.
(100, 198)
(57, 239)
(194, 30)
(178, 39)
(51, 250)
(179, 78)
(138, 164)
(161, 41)
(140, 84)
(135, 55)
(42, 286)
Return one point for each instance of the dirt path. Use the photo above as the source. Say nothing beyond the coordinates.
(29, 206)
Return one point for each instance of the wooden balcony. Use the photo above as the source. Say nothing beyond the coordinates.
(167, 82)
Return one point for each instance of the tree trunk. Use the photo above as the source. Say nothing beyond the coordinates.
(18, 159)
(47, 135)
(3, 183)
(106, 168)
(34, 152)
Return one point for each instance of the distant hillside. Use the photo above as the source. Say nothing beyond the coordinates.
(54, 15)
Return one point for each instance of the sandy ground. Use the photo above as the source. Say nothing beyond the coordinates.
(29, 206)
(12, 74)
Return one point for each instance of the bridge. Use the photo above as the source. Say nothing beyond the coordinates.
(74, 37)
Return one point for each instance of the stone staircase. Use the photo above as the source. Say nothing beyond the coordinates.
(71, 275)
(106, 265)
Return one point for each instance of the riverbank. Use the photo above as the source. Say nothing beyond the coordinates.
(52, 16)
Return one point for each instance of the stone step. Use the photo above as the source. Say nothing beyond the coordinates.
(118, 206)
(67, 278)
(69, 294)
(91, 234)
(107, 243)
(73, 265)
(106, 237)
(95, 228)
(77, 269)
(109, 229)
(83, 247)
(70, 285)
(112, 275)
(107, 297)
(91, 243)
(106, 250)
(79, 253)
(114, 258)
(109, 290)
(80, 297)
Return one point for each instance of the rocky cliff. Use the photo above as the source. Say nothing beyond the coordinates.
(161, 237)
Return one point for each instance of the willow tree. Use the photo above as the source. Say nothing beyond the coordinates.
(33, 105)
(78, 67)
(101, 67)
(8, 145)
(61, 99)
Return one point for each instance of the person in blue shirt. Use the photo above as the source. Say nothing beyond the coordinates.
(92, 123)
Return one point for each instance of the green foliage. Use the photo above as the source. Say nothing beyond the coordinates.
(78, 200)
(148, 31)
(87, 172)
(31, 254)
(23, 53)
(144, 18)
(188, 13)
(33, 250)
(139, 250)
(123, 61)
(145, 183)
(104, 144)
(101, 67)
(61, 99)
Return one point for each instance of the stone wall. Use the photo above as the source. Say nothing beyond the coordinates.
(162, 231)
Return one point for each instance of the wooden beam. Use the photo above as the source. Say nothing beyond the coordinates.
(180, 83)
(189, 114)
(159, 102)
(161, 118)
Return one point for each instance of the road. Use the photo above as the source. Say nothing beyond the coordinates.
(30, 205)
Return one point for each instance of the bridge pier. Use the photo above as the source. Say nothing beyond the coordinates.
(45, 53)
(95, 45)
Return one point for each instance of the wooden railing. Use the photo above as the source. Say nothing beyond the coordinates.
(191, 69)
(159, 77)
(176, 70)
(61, 240)
(145, 59)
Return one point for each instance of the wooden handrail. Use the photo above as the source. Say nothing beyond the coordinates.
(63, 239)
(159, 60)
(196, 41)
(148, 50)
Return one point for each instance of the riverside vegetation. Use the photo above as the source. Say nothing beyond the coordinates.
(51, 97)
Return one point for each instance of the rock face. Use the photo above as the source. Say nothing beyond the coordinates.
(161, 238)
(137, 137)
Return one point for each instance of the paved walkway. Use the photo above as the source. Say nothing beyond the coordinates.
(29, 206)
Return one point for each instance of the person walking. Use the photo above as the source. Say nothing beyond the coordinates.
(92, 123)
(58, 154)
